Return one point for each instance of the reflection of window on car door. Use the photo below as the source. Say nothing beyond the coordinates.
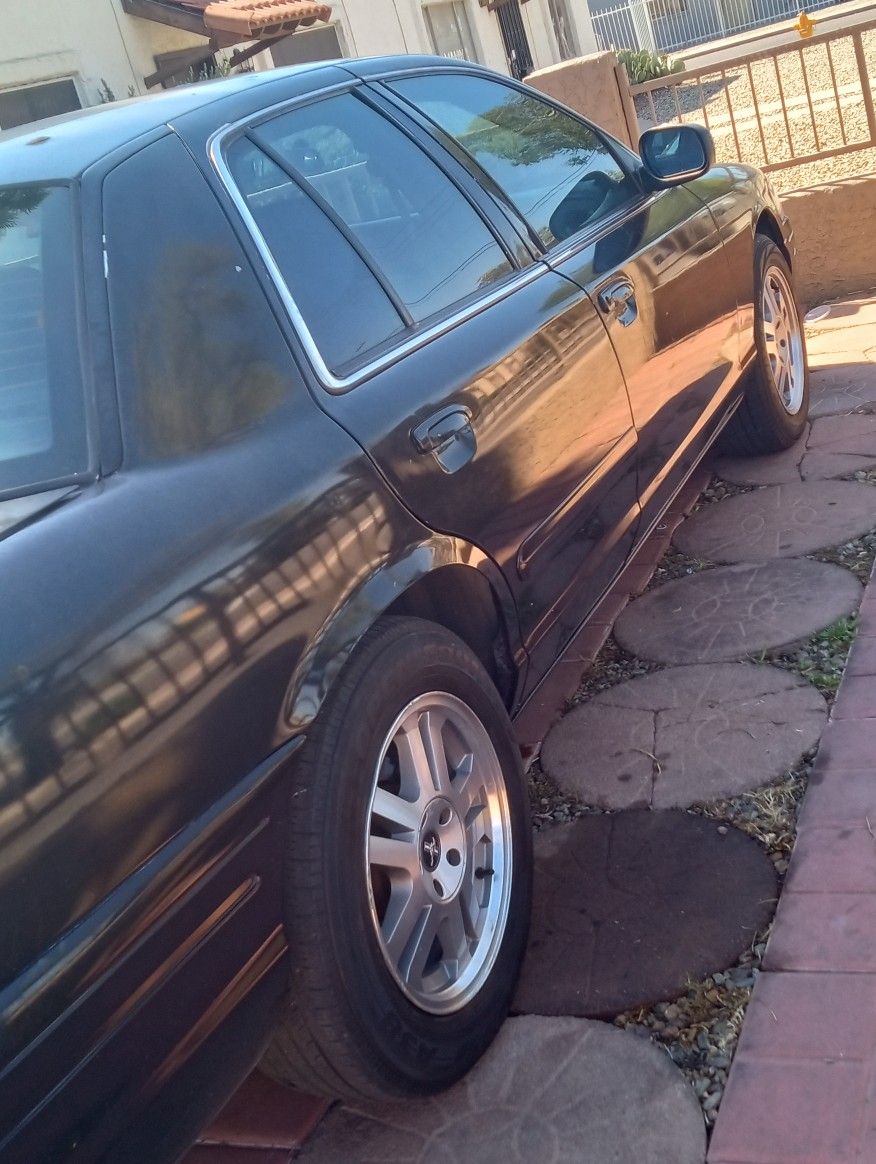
(558, 171)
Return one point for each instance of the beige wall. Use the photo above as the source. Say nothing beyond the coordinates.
(835, 233)
(90, 40)
(594, 87)
(374, 27)
(95, 41)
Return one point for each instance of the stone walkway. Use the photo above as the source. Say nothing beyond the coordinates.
(629, 906)
(634, 906)
(684, 736)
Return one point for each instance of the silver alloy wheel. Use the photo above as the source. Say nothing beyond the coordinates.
(783, 339)
(438, 852)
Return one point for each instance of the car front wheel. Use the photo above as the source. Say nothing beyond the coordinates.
(408, 880)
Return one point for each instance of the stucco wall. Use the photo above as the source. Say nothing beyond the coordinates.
(590, 86)
(835, 233)
(91, 40)
(95, 41)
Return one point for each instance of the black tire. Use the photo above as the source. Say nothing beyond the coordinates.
(348, 1030)
(762, 423)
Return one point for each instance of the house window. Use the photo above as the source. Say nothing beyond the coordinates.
(19, 106)
(184, 66)
(314, 44)
(450, 31)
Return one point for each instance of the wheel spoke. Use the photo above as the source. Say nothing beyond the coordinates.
(453, 932)
(419, 947)
(770, 300)
(431, 725)
(396, 811)
(402, 923)
(392, 854)
(422, 759)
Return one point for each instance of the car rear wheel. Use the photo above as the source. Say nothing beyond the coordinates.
(773, 413)
(408, 880)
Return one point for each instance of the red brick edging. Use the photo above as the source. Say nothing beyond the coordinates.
(802, 1088)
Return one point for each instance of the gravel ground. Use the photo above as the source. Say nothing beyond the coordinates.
(730, 106)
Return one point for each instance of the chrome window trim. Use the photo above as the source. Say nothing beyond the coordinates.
(338, 385)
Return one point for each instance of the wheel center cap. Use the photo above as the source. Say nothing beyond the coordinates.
(430, 851)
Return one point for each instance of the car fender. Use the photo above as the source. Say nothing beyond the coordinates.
(324, 659)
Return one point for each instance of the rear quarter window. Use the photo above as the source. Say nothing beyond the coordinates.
(200, 359)
(42, 416)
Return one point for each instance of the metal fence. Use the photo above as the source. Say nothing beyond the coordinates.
(667, 26)
(779, 108)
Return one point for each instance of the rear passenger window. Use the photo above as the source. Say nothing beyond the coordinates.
(558, 172)
(42, 417)
(384, 204)
(346, 310)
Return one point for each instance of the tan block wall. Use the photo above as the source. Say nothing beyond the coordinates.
(835, 233)
(596, 87)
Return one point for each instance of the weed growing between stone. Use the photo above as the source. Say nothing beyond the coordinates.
(822, 658)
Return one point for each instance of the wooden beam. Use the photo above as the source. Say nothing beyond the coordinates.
(160, 13)
(241, 55)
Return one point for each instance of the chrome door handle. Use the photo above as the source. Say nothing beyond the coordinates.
(618, 301)
(448, 436)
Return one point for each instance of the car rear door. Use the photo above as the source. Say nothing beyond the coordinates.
(481, 382)
(652, 263)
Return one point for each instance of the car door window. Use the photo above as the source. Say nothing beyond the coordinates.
(424, 240)
(42, 412)
(558, 171)
(344, 307)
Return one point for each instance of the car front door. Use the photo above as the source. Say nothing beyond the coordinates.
(652, 262)
(481, 382)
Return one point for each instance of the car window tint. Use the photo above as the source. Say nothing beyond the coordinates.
(558, 172)
(425, 237)
(345, 309)
(42, 419)
(200, 358)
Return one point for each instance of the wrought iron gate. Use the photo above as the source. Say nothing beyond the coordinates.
(514, 39)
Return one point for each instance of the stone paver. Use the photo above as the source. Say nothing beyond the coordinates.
(629, 906)
(838, 388)
(835, 446)
(779, 521)
(734, 611)
(684, 736)
(549, 1091)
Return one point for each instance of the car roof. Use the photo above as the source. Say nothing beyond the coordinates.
(61, 148)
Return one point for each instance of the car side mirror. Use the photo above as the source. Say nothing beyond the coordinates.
(672, 154)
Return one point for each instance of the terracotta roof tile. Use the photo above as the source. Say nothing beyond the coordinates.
(254, 19)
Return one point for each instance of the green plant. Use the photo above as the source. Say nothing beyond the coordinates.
(642, 65)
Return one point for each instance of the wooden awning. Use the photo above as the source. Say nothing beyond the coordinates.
(229, 22)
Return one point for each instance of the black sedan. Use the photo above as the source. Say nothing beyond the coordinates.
(332, 400)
